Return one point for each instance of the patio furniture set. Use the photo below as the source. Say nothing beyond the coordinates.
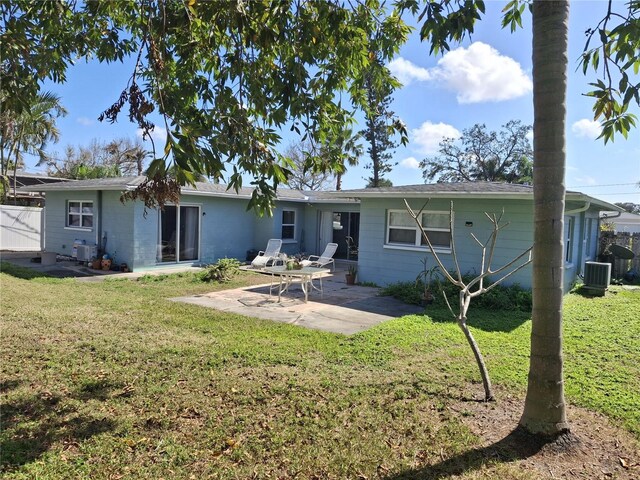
(289, 271)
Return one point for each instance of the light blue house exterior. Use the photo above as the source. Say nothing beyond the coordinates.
(212, 222)
(209, 223)
(391, 248)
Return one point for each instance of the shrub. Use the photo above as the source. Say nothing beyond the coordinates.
(222, 271)
(408, 292)
(512, 297)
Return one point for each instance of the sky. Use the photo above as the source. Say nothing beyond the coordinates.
(486, 79)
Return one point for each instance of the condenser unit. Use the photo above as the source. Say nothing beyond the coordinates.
(87, 252)
(597, 275)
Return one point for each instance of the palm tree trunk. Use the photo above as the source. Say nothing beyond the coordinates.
(544, 410)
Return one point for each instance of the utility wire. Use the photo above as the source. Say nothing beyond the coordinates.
(605, 185)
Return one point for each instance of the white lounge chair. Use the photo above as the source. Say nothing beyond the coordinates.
(325, 259)
(270, 254)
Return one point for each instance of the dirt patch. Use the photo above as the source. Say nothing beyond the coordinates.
(602, 451)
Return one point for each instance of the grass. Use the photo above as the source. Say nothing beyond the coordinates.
(112, 380)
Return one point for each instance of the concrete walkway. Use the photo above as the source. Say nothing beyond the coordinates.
(73, 269)
(342, 308)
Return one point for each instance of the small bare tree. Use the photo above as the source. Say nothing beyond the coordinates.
(478, 285)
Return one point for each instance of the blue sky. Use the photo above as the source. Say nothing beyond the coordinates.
(486, 79)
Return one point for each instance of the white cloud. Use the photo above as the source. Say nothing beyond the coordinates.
(481, 74)
(84, 121)
(407, 72)
(586, 128)
(476, 74)
(529, 135)
(410, 162)
(429, 135)
(159, 134)
(586, 180)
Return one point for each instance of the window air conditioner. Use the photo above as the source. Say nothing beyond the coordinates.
(87, 252)
(597, 275)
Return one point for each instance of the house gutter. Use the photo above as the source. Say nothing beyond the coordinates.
(583, 208)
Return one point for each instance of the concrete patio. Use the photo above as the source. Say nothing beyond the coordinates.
(342, 308)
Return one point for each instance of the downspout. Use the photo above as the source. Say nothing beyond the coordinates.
(99, 225)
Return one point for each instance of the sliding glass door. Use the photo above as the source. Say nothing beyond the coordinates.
(179, 234)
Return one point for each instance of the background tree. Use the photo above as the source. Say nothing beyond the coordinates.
(381, 124)
(482, 155)
(385, 182)
(225, 76)
(629, 207)
(99, 159)
(301, 176)
(28, 133)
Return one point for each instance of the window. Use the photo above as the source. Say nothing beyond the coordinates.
(288, 225)
(403, 231)
(568, 233)
(588, 237)
(79, 214)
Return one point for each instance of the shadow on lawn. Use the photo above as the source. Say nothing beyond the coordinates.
(22, 273)
(484, 319)
(518, 445)
(31, 426)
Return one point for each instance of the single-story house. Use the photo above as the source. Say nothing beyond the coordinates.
(391, 247)
(211, 222)
(623, 222)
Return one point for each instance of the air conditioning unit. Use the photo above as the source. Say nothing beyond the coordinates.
(87, 252)
(597, 275)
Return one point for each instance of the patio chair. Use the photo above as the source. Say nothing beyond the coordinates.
(269, 254)
(352, 248)
(325, 259)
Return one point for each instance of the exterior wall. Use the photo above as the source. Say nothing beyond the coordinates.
(21, 228)
(117, 227)
(627, 223)
(384, 265)
(58, 237)
(226, 230)
(145, 237)
(271, 227)
(583, 247)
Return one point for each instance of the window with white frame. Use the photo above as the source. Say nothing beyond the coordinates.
(288, 225)
(588, 238)
(403, 231)
(79, 214)
(568, 234)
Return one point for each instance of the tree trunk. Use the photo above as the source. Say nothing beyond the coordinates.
(486, 381)
(544, 409)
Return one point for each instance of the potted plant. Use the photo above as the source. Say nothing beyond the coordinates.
(351, 275)
(430, 278)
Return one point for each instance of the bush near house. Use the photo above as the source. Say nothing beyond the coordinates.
(501, 297)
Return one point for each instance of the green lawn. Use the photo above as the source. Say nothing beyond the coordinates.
(111, 380)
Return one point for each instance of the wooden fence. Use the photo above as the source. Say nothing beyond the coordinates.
(628, 240)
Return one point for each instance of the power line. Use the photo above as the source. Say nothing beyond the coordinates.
(606, 185)
(617, 193)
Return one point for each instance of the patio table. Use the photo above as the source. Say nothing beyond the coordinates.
(305, 276)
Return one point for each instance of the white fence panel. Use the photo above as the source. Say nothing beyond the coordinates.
(21, 228)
